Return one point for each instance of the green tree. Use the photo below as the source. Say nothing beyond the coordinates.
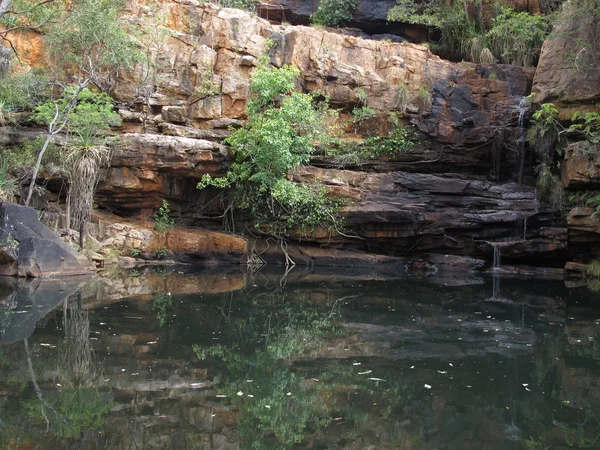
(334, 13)
(90, 42)
(86, 127)
(89, 45)
(282, 129)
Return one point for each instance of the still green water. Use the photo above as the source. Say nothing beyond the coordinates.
(162, 359)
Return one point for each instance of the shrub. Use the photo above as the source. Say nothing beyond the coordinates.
(8, 186)
(512, 37)
(135, 252)
(593, 269)
(397, 141)
(248, 5)
(517, 37)
(162, 219)
(89, 122)
(334, 13)
(280, 134)
(23, 91)
(160, 253)
(362, 113)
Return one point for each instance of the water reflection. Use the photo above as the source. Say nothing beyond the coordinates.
(178, 360)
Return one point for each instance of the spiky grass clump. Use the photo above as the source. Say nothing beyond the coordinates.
(517, 37)
(477, 51)
(85, 165)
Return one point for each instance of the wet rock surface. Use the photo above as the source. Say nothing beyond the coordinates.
(407, 213)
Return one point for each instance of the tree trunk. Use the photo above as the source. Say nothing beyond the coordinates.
(36, 170)
(4, 5)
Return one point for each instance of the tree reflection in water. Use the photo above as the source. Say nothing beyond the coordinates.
(74, 411)
(284, 400)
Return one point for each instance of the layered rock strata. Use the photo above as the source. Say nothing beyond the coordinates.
(178, 108)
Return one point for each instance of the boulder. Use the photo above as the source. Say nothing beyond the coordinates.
(581, 166)
(568, 74)
(30, 249)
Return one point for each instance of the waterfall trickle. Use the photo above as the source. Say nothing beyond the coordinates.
(521, 231)
(497, 256)
(495, 286)
(523, 109)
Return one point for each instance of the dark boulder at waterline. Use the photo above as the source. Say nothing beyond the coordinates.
(30, 249)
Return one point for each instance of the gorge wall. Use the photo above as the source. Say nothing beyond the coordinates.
(466, 189)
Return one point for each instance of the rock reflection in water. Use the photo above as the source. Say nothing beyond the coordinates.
(172, 360)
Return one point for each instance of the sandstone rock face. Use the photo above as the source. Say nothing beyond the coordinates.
(584, 234)
(179, 107)
(568, 72)
(29, 249)
(144, 168)
(581, 166)
(182, 244)
(175, 114)
(403, 213)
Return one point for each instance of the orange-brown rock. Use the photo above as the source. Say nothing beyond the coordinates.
(147, 167)
(568, 73)
(462, 106)
(183, 244)
(581, 166)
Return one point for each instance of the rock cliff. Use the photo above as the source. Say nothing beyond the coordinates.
(465, 189)
(467, 116)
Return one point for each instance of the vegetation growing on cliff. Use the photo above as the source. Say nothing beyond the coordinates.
(550, 136)
(576, 26)
(87, 44)
(334, 13)
(508, 36)
(282, 129)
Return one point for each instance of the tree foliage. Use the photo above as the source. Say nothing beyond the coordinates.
(91, 42)
(282, 129)
(87, 125)
(89, 122)
(509, 37)
(24, 91)
(334, 13)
